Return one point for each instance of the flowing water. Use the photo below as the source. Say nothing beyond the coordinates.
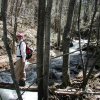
(55, 73)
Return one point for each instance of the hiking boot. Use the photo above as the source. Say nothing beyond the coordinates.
(21, 83)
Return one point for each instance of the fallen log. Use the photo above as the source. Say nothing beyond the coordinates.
(12, 87)
(60, 92)
(75, 93)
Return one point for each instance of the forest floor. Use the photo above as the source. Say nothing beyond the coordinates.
(92, 86)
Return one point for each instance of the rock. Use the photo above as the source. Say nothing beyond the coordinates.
(97, 67)
(97, 88)
(79, 67)
(97, 75)
(71, 44)
(59, 69)
(52, 75)
(52, 53)
(98, 99)
(0, 47)
(75, 71)
(80, 75)
(51, 82)
(91, 47)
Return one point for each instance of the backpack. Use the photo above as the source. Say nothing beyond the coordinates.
(28, 51)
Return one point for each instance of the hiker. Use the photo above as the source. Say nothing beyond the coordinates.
(21, 59)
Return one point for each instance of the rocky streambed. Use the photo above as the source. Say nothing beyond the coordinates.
(55, 75)
(55, 66)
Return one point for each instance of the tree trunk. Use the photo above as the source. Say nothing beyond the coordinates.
(47, 48)
(86, 11)
(92, 20)
(15, 27)
(74, 22)
(11, 10)
(66, 42)
(81, 55)
(17, 9)
(4, 11)
(59, 31)
(0, 6)
(98, 31)
(40, 46)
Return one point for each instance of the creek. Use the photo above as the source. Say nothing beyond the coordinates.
(55, 72)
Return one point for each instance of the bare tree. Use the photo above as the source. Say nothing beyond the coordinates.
(15, 27)
(89, 37)
(66, 42)
(47, 48)
(40, 46)
(98, 30)
(11, 10)
(59, 31)
(4, 12)
(86, 11)
(79, 13)
(0, 5)
(17, 9)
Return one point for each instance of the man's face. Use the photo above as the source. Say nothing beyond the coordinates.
(19, 38)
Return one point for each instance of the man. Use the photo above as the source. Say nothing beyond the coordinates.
(21, 59)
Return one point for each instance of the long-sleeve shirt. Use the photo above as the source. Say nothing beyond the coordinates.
(21, 50)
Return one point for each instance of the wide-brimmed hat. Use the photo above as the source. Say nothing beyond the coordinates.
(20, 34)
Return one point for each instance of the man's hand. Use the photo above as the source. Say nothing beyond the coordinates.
(14, 63)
